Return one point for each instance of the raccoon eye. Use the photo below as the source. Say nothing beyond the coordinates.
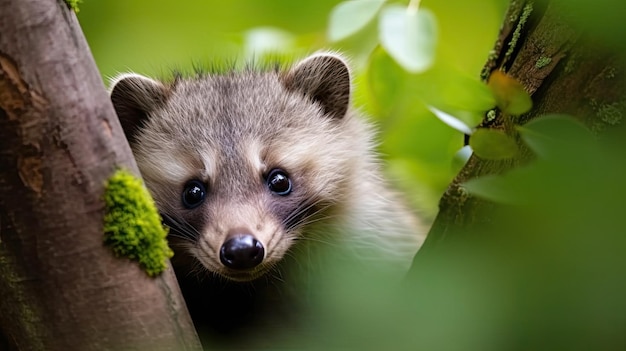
(193, 194)
(278, 182)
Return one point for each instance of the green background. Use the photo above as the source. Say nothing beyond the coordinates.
(155, 37)
(545, 272)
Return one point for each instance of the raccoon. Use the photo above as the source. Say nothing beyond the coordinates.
(251, 168)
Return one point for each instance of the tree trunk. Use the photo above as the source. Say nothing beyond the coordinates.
(563, 70)
(60, 287)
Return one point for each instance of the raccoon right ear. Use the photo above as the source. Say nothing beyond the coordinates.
(325, 79)
(134, 97)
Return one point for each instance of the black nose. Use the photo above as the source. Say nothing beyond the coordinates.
(242, 251)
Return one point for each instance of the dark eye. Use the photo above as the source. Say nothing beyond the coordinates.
(193, 194)
(278, 182)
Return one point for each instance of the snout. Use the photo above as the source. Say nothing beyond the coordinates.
(240, 254)
(241, 251)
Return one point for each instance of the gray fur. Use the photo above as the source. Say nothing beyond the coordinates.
(229, 130)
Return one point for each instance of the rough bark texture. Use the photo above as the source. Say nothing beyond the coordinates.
(565, 72)
(60, 288)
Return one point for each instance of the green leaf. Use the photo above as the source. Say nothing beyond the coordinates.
(349, 17)
(493, 144)
(452, 91)
(549, 134)
(409, 36)
(462, 121)
(511, 97)
(386, 81)
(460, 158)
(498, 188)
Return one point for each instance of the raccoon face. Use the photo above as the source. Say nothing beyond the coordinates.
(236, 233)
(241, 164)
(237, 230)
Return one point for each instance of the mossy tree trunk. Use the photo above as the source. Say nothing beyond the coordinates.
(564, 70)
(60, 287)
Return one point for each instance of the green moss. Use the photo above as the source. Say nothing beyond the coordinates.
(542, 62)
(132, 225)
(523, 18)
(462, 195)
(610, 114)
(610, 72)
(570, 66)
(515, 7)
(73, 4)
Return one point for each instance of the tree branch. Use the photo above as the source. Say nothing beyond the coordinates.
(563, 70)
(60, 288)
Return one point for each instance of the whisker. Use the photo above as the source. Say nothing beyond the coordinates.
(179, 228)
(298, 215)
(303, 212)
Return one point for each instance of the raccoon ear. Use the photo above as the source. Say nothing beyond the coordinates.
(324, 78)
(134, 97)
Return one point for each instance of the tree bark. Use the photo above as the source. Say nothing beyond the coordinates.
(60, 287)
(564, 70)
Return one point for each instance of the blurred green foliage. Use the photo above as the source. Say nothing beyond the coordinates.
(545, 272)
(155, 37)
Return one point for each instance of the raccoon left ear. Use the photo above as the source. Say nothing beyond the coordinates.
(324, 78)
(134, 97)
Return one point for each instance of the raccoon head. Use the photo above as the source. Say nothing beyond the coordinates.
(243, 164)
